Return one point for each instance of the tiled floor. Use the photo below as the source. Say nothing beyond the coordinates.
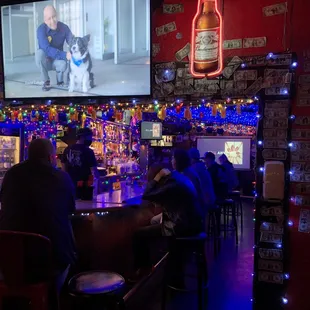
(230, 274)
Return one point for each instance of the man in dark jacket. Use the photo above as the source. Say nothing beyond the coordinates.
(37, 198)
(217, 173)
(204, 176)
(182, 215)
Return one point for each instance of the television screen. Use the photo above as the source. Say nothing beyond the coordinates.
(151, 131)
(237, 149)
(76, 48)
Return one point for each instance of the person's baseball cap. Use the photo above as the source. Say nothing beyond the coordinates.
(84, 132)
(194, 154)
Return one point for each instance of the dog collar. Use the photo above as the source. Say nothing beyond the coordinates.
(78, 62)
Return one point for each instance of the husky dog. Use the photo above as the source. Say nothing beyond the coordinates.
(81, 77)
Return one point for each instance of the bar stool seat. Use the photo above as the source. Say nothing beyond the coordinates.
(236, 196)
(97, 288)
(228, 208)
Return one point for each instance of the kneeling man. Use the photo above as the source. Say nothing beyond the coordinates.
(50, 56)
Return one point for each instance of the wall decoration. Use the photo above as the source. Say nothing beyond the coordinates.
(303, 95)
(275, 9)
(307, 66)
(232, 44)
(275, 144)
(167, 28)
(303, 134)
(270, 60)
(302, 120)
(155, 49)
(245, 75)
(278, 113)
(183, 52)
(232, 66)
(207, 41)
(255, 87)
(270, 277)
(270, 265)
(304, 221)
(173, 8)
(277, 91)
(274, 154)
(254, 42)
(272, 161)
(270, 254)
(302, 189)
(277, 77)
(302, 201)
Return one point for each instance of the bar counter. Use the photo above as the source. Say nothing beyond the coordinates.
(103, 229)
(128, 194)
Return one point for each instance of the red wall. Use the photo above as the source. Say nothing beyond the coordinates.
(290, 32)
(242, 19)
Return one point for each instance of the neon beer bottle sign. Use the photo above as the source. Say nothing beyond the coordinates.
(206, 42)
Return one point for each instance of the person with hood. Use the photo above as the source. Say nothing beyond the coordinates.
(181, 216)
(205, 178)
(231, 176)
(218, 176)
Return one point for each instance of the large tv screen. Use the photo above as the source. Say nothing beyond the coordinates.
(76, 48)
(237, 149)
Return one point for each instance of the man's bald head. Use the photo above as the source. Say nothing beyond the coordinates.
(50, 17)
(41, 150)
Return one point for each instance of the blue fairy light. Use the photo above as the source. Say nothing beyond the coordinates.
(284, 300)
(294, 64)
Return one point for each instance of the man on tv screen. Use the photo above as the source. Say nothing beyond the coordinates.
(50, 56)
(91, 51)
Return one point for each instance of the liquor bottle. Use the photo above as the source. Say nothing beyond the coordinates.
(12, 160)
(206, 57)
(1, 160)
(6, 160)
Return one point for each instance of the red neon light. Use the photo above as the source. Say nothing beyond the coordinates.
(220, 67)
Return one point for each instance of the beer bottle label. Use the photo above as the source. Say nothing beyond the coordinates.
(207, 45)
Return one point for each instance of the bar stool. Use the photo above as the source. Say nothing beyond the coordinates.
(236, 196)
(26, 269)
(97, 289)
(213, 228)
(228, 208)
(179, 247)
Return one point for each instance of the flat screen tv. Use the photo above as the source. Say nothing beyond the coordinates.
(151, 131)
(237, 149)
(76, 48)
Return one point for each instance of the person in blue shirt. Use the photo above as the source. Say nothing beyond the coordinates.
(204, 176)
(50, 56)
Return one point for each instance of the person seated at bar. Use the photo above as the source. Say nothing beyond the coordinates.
(181, 162)
(38, 198)
(230, 172)
(217, 173)
(80, 163)
(204, 176)
(182, 214)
